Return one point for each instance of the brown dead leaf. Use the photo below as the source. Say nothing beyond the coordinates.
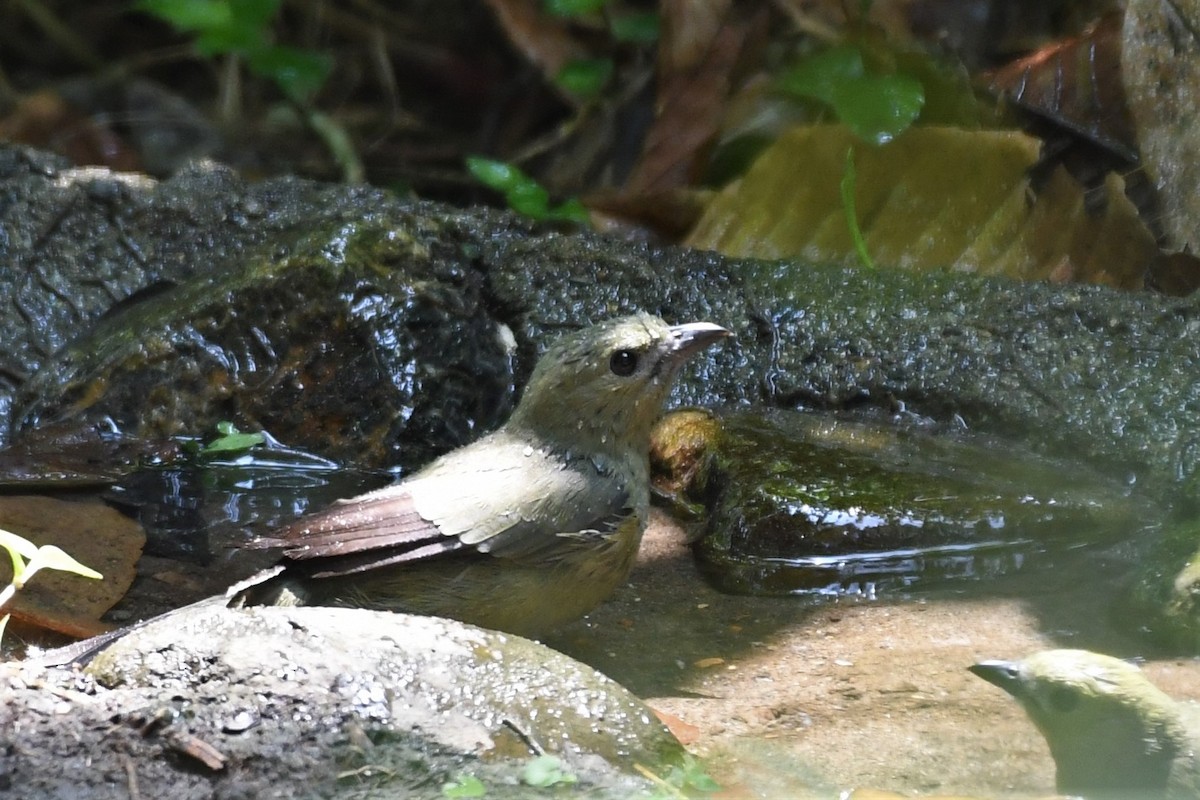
(45, 119)
(702, 46)
(684, 731)
(90, 532)
(544, 40)
(1076, 83)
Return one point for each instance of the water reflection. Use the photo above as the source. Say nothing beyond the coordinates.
(200, 510)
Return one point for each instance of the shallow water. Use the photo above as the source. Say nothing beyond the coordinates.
(811, 696)
(860, 683)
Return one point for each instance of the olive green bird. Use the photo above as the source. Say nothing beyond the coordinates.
(526, 529)
(1112, 733)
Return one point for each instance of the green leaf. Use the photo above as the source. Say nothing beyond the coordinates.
(464, 786)
(691, 775)
(522, 193)
(586, 76)
(643, 28)
(530, 199)
(254, 13)
(572, 211)
(229, 39)
(298, 73)
(236, 443)
(876, 107)
(231, 440)
(499, 175)
(572, 8)
(820, 75)
(879, 108)
(546, 771)
(189, 15)
(243, 27)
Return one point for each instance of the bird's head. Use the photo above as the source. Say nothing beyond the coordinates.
(1108, 727)
(604, 386)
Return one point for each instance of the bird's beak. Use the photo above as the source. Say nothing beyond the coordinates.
(693, 337)
(998, 673)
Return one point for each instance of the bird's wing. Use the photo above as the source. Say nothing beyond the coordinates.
(498, 497)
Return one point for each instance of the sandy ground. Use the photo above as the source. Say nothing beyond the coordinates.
(792, 698)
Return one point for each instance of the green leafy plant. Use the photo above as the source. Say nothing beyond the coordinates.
(681, 781)
(28, 559)
(242, 27)
(523, 194)
(546, 771)
(463, 785)
(877, 107)
(586, 77)
(638, 28)
(849, 181)
(231, 440)
(573, 8)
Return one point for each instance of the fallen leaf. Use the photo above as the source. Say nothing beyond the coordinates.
(1076, 83)
(935, 197)
(685, 732)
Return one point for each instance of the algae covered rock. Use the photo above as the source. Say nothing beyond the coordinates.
(1164, 600)
(799, 502)
(360, 345)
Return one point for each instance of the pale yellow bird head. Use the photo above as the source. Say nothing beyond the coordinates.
(1111, 731)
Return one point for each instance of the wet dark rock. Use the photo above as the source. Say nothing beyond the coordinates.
(374, 329)
(802, 503)
(361, 346)
(1100, 375)
(319, 703)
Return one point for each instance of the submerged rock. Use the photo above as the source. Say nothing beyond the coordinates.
(800, 502)
(1165, 597)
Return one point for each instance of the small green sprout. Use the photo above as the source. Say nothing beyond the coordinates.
(28, 559)
(640, 28)
(524, 194)
(585, 77)
(573, 8)
(850, 207)
(242, 27)
(231, 440)
(464, 785)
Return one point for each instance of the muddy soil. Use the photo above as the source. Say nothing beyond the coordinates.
(795, 698)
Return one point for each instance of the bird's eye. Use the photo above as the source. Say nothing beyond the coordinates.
(623, 363)
(1063, 700)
